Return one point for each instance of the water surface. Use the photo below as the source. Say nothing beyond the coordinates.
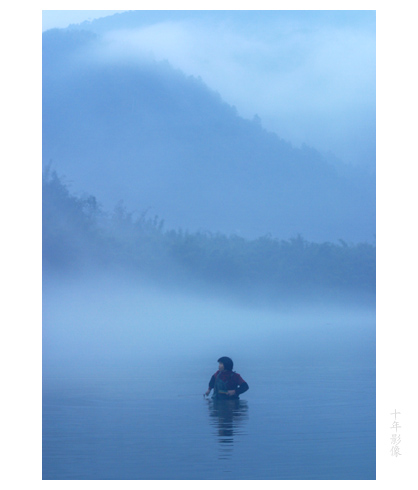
(124, 399)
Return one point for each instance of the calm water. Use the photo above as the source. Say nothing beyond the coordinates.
(109, 413)
(295, 422)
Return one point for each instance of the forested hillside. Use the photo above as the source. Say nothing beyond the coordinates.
(147, 134)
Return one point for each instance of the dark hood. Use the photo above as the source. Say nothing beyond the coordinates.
(227, 362)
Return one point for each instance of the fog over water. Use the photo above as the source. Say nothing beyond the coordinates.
(125, 368)
(189, 215)
(104, 327)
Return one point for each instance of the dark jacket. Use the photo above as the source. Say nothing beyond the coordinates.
(223, 381)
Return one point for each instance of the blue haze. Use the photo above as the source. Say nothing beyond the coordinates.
(125, 369)
(180, 226)
(122, 122)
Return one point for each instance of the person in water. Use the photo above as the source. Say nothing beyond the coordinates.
(226, 384)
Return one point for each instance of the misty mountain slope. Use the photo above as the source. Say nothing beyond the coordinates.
(148, 134)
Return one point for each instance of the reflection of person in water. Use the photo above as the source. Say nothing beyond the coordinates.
(226, 384)
(227, 417)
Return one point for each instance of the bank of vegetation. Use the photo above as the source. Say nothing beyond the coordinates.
(78, 235)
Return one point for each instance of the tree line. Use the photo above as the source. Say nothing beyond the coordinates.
(78, 234)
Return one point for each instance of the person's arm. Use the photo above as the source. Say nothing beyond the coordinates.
(211, 385)
(242, 388)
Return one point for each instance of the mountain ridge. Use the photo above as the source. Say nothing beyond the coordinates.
(154, 137)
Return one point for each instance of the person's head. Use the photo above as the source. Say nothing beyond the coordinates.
(225, 363)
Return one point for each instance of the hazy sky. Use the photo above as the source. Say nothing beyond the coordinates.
(309, 75)
(63, 18)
